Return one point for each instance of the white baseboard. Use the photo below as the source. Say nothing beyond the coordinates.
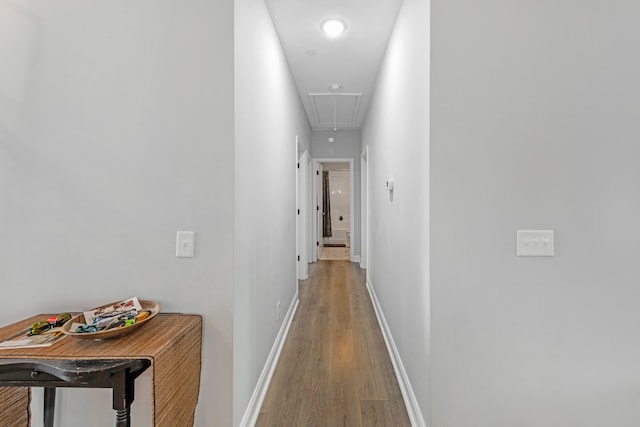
(255, 403)
(410, 401)
(356, 258)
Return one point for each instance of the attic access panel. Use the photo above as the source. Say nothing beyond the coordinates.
(335, 110)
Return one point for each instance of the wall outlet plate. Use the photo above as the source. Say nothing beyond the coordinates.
(535, 243)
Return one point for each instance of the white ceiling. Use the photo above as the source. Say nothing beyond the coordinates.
(351, 60)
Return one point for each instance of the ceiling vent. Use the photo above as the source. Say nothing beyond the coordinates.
(335, 110)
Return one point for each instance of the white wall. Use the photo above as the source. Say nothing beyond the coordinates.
(535, 125)
(397, 135)
(115, 132)
(347, 145)
(269, 115)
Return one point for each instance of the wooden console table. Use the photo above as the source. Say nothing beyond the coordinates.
(169, 344)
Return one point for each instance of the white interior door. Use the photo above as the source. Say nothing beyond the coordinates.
(364, 209)
(297, 165)
(303, 267)
(311, 212)
(319, 210)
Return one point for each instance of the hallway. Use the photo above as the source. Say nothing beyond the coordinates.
(334, 369)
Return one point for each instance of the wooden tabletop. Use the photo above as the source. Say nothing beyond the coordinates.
(146, 342)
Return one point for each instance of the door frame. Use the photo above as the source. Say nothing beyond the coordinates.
(364, 208)
(310, 211)
(301, 214)
(317, 192)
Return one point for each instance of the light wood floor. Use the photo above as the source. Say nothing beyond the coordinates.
(334, 369)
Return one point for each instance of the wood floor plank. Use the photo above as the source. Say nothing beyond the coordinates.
(334, 369)
(314, 406)
(376, 413)
(345, 403)
(373, 373)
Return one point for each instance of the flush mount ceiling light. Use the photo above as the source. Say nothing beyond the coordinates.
(333, 27)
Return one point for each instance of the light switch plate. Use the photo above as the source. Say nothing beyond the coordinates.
(535, 243)
(185, 244)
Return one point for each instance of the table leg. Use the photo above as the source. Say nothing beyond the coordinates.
(49, 406)
(123, 417)
(123, 397)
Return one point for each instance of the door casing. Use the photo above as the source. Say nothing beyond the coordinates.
(317, 194)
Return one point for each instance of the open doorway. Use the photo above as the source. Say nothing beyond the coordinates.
(334, 207)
